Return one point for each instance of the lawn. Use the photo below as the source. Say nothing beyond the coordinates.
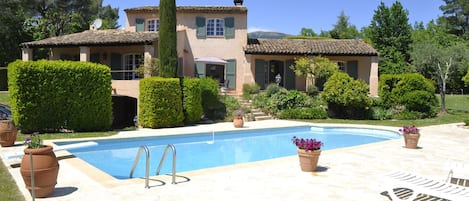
(457, 107)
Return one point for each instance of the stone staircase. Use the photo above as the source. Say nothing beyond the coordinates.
(252, 114)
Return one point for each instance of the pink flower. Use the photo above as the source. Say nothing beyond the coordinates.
(307, 144)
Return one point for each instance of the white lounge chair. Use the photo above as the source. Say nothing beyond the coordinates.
(458, 173)
(420, 184)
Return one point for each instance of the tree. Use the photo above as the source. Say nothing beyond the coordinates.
(390, 33)
(440, 61)
(55, 18)
(167, 41)
(11, 30)
(307, 32)
(314, 67)
(343, 29)
(456, 17)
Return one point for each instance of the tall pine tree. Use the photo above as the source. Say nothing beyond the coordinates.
(167, 41)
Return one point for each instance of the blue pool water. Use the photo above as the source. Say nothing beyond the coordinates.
(201, 150)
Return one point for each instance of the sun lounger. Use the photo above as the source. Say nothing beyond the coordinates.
(420, 184)
(458, 173)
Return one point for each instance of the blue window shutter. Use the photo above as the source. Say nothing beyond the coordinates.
(139, 25)
(260, 72)
(231, 73)
(289, 75)
(199, 70)
(116, 64)
(201, 30)
(229, 27)
(352, 69)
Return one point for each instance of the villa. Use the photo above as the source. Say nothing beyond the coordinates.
(212, 41)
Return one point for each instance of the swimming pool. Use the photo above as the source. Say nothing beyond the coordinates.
(206, 150)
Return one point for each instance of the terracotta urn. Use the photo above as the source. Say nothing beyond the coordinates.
(411, 140)
(308, 160)
(238, 122)
(45, 169)
(8, 133)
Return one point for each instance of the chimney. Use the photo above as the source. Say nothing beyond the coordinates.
(238, 2)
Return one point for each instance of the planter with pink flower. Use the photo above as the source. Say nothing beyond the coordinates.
(411, 136)
(309, 150)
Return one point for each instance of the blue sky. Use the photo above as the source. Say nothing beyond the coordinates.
(290, 17)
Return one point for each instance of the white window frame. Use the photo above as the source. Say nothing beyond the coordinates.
(215, 27)
(152, 25)
(131, 62)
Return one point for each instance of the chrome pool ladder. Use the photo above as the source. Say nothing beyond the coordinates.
(147, 163)
(174, 161)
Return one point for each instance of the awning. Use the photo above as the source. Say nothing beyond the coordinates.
(211, 60)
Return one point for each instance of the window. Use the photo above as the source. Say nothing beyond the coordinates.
(342, 66)
(215, 27)
(131, 63)
(153, 25)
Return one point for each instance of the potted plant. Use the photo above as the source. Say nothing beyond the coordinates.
(8, 131)
(45, 167)
(308, 152)
(238, 121)
(411, 136)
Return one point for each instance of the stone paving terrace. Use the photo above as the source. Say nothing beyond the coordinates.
(344, 174)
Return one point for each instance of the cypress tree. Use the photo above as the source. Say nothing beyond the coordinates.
(167, 41)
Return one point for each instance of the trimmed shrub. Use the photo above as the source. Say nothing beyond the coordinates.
(413, 91)
(213, 108)
(192, 99)
(48, 96)
(409, 115)
(160, 102)
(466, 122)
(250, 89)
(273, 89)
(346, 97)
(287, 100)
(312, 90)
(303, 113)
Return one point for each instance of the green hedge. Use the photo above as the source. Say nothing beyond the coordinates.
(160, 102)
(213, 108)
(346, 97)
(413, 91)
(47, 96)
(192, 99)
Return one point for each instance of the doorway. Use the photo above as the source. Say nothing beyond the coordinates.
(216, 71)
(276, 68)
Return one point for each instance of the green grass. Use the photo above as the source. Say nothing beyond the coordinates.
(457, 107)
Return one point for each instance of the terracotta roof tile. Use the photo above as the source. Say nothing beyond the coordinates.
(96, 38)
(310, 47)
(192, 9)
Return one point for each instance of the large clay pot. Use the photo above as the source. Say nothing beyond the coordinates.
(45, 168)
(8, 133)
(411, 140)
(308, 160)
(238, 122)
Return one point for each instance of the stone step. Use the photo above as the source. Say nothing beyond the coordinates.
(256, 113)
